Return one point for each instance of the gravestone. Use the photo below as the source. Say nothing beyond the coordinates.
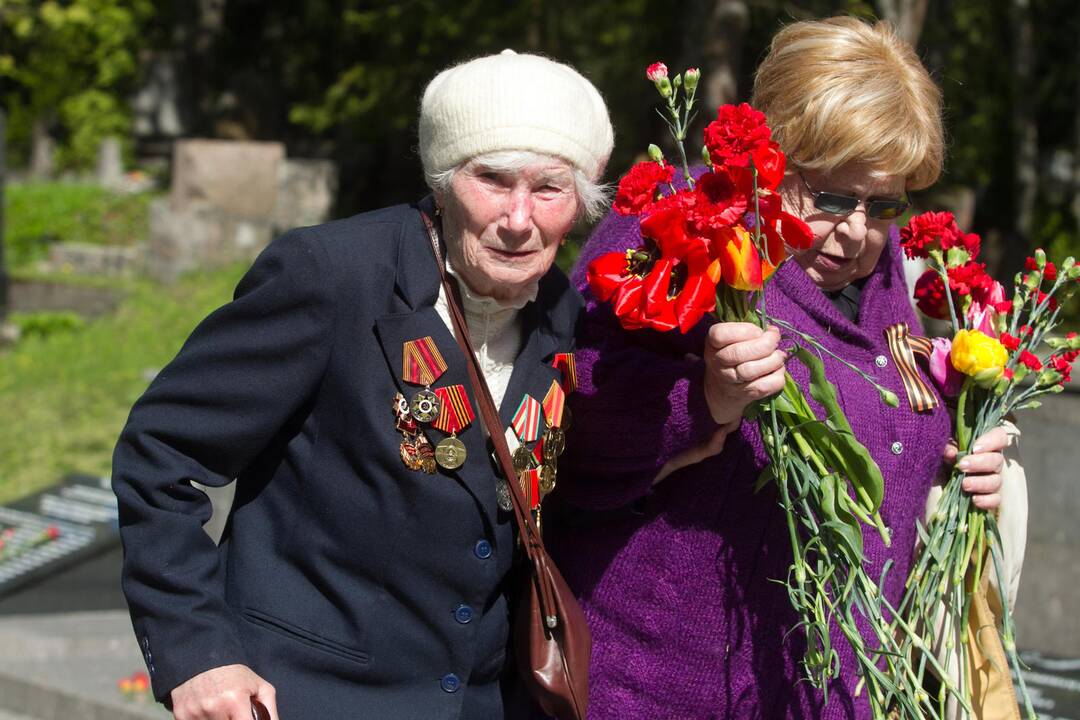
(42, 150)
(53, 534)
(305, 193)
(238, 178)
(110, 163)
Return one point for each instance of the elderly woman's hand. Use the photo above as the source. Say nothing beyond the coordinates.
(743, 363)
(982, 467)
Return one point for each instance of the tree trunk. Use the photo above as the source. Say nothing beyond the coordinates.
(3, 177)
(1025, 132)
(907, 15)
(1076, 145)
(714, 38)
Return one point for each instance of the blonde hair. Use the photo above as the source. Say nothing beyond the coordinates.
(841, 90)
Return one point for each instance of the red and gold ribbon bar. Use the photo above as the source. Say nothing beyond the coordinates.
(538, 452)
(421, 361)
(529, 482)
(526, 422)
(564, 363)
(903, 346)
(455, 412)
(554, 402)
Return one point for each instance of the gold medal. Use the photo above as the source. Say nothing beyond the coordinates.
(523, 458)
(425, 406)
(554, 443)
(450, 453)
(547, 479)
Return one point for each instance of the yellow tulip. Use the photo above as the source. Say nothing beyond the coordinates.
(979, 356)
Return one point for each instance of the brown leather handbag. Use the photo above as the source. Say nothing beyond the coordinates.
(551, 638)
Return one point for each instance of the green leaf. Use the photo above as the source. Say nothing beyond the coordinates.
(845, 454)
(767, 476)
(822, 390)
(839, 523)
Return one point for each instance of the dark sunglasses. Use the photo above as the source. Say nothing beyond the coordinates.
(835, 204)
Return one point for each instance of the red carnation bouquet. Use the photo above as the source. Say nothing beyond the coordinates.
(709, 245)
(1002, 356)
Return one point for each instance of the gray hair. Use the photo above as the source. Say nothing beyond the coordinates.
(592, 197)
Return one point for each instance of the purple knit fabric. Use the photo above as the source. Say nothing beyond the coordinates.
(686, 619)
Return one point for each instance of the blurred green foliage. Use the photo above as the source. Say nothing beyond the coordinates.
(72, 66)
(64, 396)
(44, 324)
(39, 214)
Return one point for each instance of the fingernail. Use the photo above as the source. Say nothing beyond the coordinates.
(964, 464)
(977, 448)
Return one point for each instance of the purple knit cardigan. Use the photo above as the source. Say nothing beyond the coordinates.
(686, 619)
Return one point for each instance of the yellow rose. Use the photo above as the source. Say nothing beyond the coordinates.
(979, 355)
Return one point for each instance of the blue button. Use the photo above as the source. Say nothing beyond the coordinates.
(463, 614)
(450, 683)
(482, 549)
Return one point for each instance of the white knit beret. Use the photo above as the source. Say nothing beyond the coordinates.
(513, 102)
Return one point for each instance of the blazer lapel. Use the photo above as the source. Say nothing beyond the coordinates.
(533, 372)
(418, 284)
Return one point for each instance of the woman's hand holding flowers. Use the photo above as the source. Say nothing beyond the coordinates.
(982, 467)
(743, 363)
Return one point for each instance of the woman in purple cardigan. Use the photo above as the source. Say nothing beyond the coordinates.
(670, 550)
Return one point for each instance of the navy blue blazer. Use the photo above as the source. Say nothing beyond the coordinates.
(357, 587)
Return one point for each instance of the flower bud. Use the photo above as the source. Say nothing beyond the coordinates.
(656, 72)
(1040, 258)
(664, 87)
(1067, 264)
(690, 78)
(889, 398)
(655, 153)
(705, 156)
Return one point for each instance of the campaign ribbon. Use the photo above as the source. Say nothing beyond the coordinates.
(526, 422)
(565, 364)
(455, 411)
(553, 404)
(904, 347)
(421, 361)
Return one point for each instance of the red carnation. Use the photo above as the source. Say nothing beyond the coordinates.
(1010, 342)
(656, 72)
(929, 231)
(1050, 271)
(737, 132)
(969, 241)
(930, 295)
(1030, 360)
(1063, 366)
(971, 279)
(1031, 264)
(1008, 373)
(637, 188)
(721, 199)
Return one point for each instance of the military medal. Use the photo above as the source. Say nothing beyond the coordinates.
(526, 421)
(422, 364)
(547, 480)
(502, 494)
(455, 413)
(415, 451)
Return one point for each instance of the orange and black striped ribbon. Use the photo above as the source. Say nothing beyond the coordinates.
(421, 361)
(455, 412)
(904, 346)
(553, 404)
(564, 363)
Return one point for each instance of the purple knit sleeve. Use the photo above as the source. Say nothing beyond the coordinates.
(639, 401)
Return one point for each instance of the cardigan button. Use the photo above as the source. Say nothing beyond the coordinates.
(881, 361)
(897, 447)
(463, 614)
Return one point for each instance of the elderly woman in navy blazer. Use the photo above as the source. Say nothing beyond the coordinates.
(361, 573)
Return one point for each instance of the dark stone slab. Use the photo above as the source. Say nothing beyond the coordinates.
(63, 545)
(1054, 685)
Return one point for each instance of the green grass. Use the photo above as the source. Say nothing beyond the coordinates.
(38, 214)
(65, 397)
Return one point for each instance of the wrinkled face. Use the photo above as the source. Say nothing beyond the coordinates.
(503, 229)
(846, 248)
